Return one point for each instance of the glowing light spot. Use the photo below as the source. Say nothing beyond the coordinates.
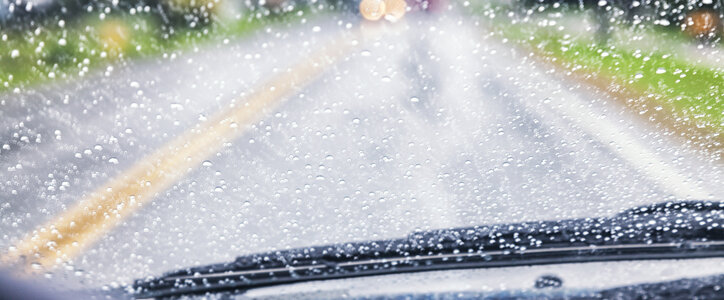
(395, 10)
(372, 9)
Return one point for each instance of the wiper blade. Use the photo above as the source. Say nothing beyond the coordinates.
(660, 231)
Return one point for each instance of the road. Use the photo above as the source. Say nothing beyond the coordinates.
(431, 122)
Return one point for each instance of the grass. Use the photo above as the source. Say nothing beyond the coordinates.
(694, 91)
(62, 51)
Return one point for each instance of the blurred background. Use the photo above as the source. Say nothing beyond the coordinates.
(46, 40)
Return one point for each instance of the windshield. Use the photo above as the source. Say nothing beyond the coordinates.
(139, 137)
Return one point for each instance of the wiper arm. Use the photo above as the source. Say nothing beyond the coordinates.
(660, 231)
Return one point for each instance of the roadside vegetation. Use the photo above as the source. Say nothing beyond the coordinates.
(58, 49)
(658, 62)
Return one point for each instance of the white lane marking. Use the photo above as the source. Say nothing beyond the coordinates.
(571, 108)
(632, 149)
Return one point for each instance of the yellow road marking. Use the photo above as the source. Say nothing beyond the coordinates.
(66, 236)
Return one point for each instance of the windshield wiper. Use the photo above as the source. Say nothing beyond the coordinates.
(668, 230)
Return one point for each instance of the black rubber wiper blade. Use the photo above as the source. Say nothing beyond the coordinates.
(665, 230)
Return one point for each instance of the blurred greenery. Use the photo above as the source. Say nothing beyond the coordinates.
(62, 51)
(695, 91)
(674, 81)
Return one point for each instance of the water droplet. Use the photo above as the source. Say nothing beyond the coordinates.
(177, 106)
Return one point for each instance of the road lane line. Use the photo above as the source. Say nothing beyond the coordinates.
(67, 235)
(620, 141)
(634, 151)
(624, 143)
(617, 139)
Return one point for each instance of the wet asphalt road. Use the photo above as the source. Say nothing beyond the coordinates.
(434, 124)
